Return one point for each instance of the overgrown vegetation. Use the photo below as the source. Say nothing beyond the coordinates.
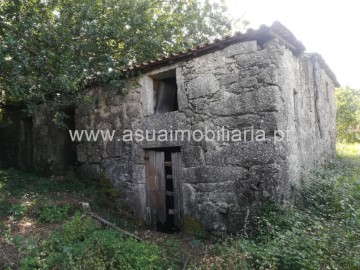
(42, 227)
(348, 115)
(80, 244)
(54, 48)
(53, 213)
(320, 230)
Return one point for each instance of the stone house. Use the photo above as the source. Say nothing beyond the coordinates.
(257, 81)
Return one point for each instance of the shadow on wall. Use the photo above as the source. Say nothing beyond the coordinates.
(35, 143)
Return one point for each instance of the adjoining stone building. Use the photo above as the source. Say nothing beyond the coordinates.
(259, 80)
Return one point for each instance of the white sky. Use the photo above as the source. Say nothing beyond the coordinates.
(331, 28)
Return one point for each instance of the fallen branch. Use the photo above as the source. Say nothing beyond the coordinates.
(108, 223)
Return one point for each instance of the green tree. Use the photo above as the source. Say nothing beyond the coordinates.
(348, 114)
(49, 49)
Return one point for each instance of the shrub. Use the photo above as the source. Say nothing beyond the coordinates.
(348, 115)
(319, 230)
(18, 210)
(19, 183)
(80, 244)
(53, 213)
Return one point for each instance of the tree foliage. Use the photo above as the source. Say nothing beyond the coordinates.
(348, 114)
(49, 49)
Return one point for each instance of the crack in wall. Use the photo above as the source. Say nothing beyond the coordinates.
(316, 100)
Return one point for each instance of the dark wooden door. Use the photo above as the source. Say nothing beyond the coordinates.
(163, 205)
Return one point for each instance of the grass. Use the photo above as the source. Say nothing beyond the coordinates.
(42, 227)
(32, 206)
(319, 230)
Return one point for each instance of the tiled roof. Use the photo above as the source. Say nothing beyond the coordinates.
(263, 34)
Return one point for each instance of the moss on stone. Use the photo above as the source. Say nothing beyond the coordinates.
(192, 225)
(107, 194)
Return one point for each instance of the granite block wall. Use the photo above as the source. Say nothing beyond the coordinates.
(243, 86)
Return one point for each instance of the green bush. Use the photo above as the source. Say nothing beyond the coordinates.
(4, 207)
(80, 244)
(53, 213)
(19, 183)
(17, 210)
(319, 230)
(348, 115)
(14, 211)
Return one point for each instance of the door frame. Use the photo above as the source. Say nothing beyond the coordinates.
(155, 178)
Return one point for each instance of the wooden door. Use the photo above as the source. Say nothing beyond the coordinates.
(164, 207)
(155, 185)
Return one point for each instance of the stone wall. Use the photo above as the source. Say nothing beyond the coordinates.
(308, 112)
(242, 86)
(53, 149)
(35, 142)
(16, 145)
